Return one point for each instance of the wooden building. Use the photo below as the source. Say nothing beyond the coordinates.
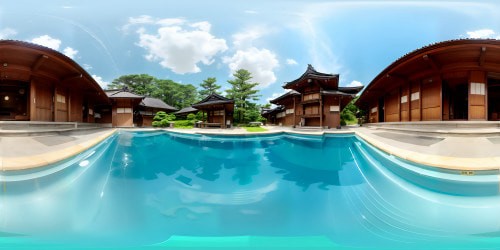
(451, 80)
(184, 112)
(218, 109)
(41, 84)
(148, 108)
(128, 109)
(314, 100)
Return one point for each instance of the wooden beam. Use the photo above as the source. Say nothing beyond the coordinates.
(396, 75)
(72, 77)
(481, 56)
(431, 62)
(41, 59)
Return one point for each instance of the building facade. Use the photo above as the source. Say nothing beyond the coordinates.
(218, 111)
(41, 84)
(314, 100)
(446, 81)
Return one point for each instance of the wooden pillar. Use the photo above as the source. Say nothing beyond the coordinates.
(54, 105)
(408, 94)
(399, 104)
(440, 97)
(32, 101)
(420, 99)
(320, 109)
(224, 117)
(68, 105)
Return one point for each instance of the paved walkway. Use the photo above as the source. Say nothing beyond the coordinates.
(440, 150)
(481, 152)
(23, 152)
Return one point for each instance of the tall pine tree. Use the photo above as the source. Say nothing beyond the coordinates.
(209, 87)
(242, 92)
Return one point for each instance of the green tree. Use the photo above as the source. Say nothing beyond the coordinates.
(172, 93)
(349, 113)
(142, 84)
(242, 92)
(209, 87)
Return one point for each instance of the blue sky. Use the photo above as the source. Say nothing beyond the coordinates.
(188, 41)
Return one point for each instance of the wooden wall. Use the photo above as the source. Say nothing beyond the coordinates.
(147, 121)
(391, 111)
(431, 99)
(405, 106)
(41, 101)
(61, 105)
(477, 102)
(75, 106)
(415, 110)
(122, 119)
(373, 112)
(331, 118)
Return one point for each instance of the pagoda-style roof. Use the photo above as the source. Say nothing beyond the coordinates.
(288, 94)
(186, 110)
(122, 93)
(326, 81)
(151, 102)
(212, 100)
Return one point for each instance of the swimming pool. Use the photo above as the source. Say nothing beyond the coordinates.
(165, 189)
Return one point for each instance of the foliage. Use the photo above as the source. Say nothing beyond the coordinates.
(199, 116)
(184, 124)
(267, 106)
(348, 114)
(142, 84)
(162, 119)
(242, 92)
(255, 129)
(191, 117)
(252, 114)
(173, 93)
(209, 87)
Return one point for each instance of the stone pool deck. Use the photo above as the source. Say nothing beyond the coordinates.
(24, 152)
(478, 149)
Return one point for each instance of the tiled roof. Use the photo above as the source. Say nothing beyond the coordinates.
(155, 103)
(311, 73)
(121, 93)
(213, 99)
(186, 110)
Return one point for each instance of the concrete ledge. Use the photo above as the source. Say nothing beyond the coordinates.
(43, 159)
(440, 161)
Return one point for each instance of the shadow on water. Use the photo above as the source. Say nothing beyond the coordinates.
(326, 162)
(303, 160)
(147, 157)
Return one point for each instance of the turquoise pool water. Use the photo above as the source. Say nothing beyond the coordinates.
(168, 190)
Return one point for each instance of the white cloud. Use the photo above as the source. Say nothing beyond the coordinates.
(247, 37)
(7, 33)
(259, 62)
(276, 95)
(102, 83)
(483, 33)
(178, 45)
(87, 66)
(47, 41)
(355, 84)
(70, 52)
(290, 61)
